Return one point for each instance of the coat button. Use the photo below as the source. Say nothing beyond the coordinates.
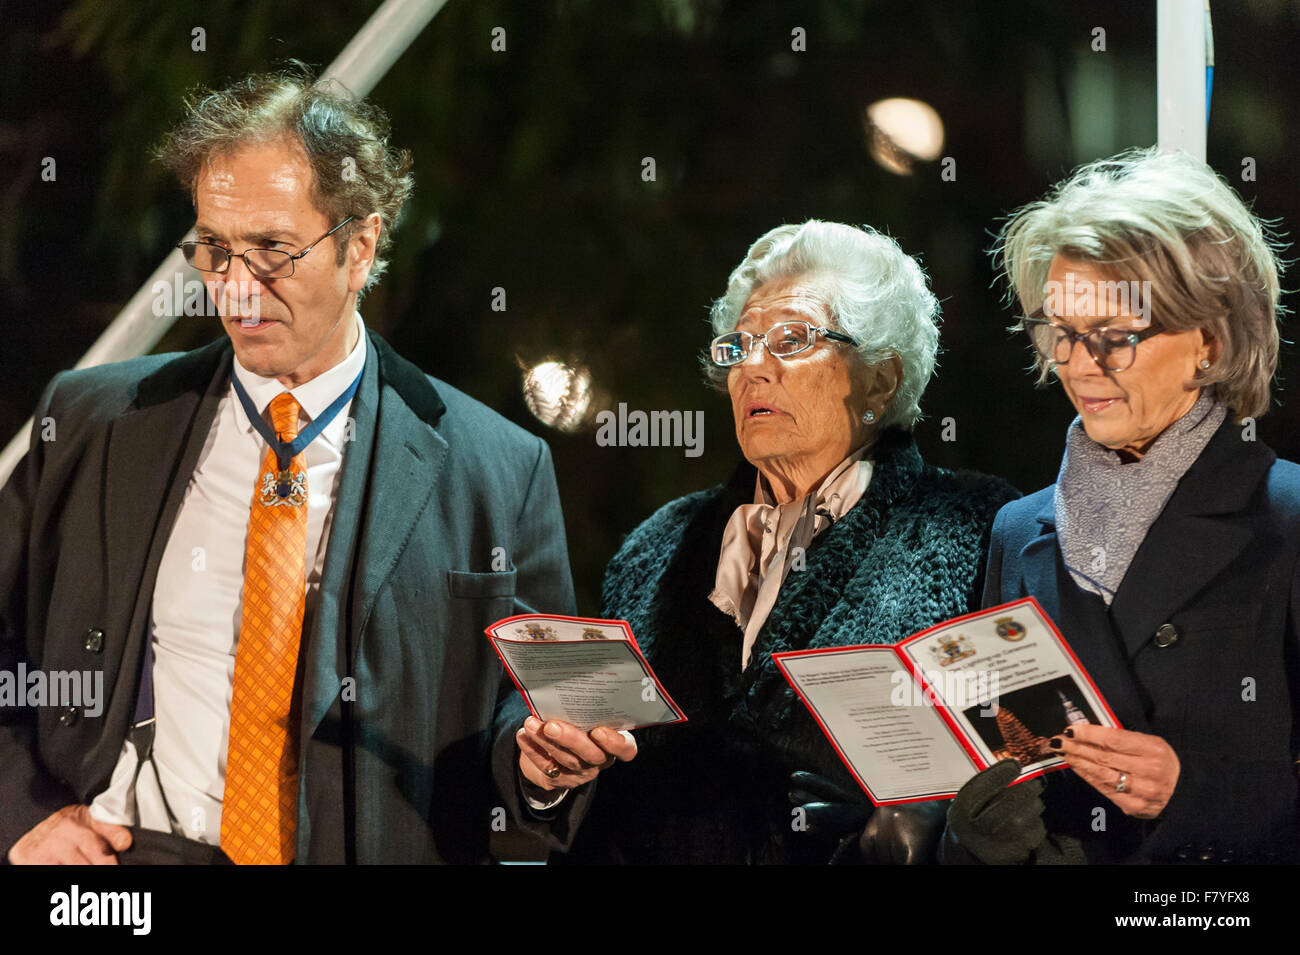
(69, 716)
(94, 640)
(1167, 635)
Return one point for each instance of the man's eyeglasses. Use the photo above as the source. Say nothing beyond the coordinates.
(1112, 348)
(264, 263)
(781, 341)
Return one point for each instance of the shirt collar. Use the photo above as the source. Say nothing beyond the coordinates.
(312, 396)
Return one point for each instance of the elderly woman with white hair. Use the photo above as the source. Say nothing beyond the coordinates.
(1167, 551)
(833, 532)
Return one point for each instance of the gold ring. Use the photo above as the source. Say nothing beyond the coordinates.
(552, 772)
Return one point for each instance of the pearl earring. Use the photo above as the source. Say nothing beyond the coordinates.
(1205, 363)
(869, 416)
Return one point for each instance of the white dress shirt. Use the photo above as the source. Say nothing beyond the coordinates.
(198, 596)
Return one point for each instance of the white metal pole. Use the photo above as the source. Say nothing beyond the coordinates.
(379, 42)
(360, 66)
(1180, 75)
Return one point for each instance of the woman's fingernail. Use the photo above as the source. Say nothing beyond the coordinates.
(1055, 743)
(1069, 732)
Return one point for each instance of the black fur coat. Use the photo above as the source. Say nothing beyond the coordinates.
(909, 554)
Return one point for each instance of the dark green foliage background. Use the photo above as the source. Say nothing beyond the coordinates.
(528, 169)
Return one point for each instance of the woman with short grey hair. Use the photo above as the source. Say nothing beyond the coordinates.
(877, 293)
(832, 532)
(1167, 550)
(1177, 242)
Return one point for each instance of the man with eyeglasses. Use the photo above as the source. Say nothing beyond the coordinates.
(280, 549)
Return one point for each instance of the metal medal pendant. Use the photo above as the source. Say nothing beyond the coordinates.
(283, 488)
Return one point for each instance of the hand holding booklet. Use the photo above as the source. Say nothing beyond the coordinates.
(584, 671)
(916, 720)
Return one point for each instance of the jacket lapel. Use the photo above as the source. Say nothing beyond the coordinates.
(1197, 535)
(390, 471)
(152, 450)
(1040, 559)
(409, 459)
(325, 640)
(1082, 619)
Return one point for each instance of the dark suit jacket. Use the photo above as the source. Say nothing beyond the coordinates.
(431, 485)
(1220, 566)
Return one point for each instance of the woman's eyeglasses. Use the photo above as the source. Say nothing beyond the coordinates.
(1112, 348)
(781, 341)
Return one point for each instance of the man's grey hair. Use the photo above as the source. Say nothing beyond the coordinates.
(878, 295)
(1166, 219)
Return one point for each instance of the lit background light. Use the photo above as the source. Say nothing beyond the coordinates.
(558, 395)
(902, 132)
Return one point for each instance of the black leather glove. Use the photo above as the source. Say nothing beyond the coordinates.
(903, 835)
(827, 808)
(992, 821)
(889, 835)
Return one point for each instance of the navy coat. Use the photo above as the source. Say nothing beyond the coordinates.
(1222, 687)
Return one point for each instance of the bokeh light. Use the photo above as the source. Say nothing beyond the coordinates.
(558, 395)
(901, 132)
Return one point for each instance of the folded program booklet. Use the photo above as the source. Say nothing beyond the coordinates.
(916, 720)
(587, 672)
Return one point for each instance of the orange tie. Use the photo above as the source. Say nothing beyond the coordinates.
(259, 812)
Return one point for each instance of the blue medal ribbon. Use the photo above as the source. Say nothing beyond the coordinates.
(285, 453)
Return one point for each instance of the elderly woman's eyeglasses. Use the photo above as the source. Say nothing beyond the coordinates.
(1112, 348)
(781, 341)
(264, 263)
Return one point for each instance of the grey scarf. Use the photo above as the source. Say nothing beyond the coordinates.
(1104, 508)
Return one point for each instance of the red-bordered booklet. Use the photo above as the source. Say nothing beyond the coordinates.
(585, 671)
(916, 720)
